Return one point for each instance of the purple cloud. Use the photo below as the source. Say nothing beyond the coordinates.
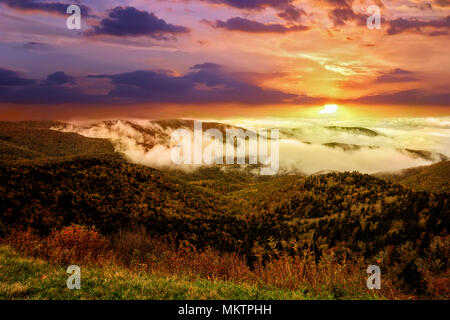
(15, 89)
(207, 65)
(207, 83)
(129, 21)
(251, 26)
(401, 25)
(59, 78)
(253, 4)
(46, 6)
(397, 75)
(12, 78)
(408, 97)
(292, 13)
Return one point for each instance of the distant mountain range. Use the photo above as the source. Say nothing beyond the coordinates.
(38, 140)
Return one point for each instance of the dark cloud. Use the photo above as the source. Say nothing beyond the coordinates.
(401, 25)
(59, 78)
(341, 12)
(341, 4)
(12, 78)
(251, 26)
(341, 16)
(15, 89)
(422, 6)
(41, 94)
(287, 10)
(45, 6)
(206, 65)
(292, 13)
(129, 21)
(253, 4)
(397, 75)
(408, 97)
(442, 3)
(207, 83)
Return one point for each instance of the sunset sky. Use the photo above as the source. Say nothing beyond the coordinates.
(214, 58)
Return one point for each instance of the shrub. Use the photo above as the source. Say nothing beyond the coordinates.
(76, 244)
(27, 242)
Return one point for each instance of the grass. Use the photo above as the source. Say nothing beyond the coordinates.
(31, 278)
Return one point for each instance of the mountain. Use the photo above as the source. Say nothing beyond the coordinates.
(355, 130)
(68, 178)
(285, 213)
(34, 140)
(433, 178)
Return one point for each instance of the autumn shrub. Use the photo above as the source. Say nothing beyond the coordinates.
(76, 244)
(139, 248)
(26, 242)
(209, 263)
(337, 273)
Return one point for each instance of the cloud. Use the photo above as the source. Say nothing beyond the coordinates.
(15, 89)
(129, 21)
(343, 4)
(47, 6)
(205, 83)
(59, 78)
(292, 13)
(407, 97)
(340, 16)
(400, 25)
(12, 78)
(422, 6)
(207, 65)
(251, 26)
(397, 75)
(43, 94)
(252, 4)
(287, 11)
(442, 3)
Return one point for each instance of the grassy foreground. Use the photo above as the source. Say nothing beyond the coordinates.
(30, 278)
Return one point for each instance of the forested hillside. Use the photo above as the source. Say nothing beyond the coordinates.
(434, 178)
(51, 179)
(367, 215)
(34, 140)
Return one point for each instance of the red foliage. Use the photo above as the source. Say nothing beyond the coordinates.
(75, 244)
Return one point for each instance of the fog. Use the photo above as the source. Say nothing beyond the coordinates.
(306, 145)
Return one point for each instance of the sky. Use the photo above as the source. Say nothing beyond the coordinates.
(223, 58)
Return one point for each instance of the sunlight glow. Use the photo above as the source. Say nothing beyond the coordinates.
(329, 108)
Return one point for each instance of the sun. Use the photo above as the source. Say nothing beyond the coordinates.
(329, 108)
